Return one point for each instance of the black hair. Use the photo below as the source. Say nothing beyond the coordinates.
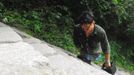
(86, 17)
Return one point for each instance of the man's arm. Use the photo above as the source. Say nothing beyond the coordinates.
(107, 60)
(76, 37)
(106, 49)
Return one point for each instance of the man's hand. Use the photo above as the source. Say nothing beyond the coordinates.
(110, 69)
(107, 64)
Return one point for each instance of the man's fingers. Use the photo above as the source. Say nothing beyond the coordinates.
(107, 64)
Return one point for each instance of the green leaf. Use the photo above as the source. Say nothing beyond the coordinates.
(5, 20)
(115, 1)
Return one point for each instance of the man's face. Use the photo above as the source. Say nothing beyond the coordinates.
(85, 26)
(88, 28)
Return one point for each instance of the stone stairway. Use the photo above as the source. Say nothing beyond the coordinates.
(22, 54)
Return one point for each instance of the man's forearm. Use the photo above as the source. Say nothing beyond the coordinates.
(107, 59)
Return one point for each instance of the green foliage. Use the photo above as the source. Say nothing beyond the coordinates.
(119, 58)
(115, 48)
(30, 20)
(1, 10)
(57, 30)
(130, 23)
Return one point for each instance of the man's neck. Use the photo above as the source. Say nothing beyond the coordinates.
(90, 30)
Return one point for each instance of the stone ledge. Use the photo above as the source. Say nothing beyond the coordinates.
(7, 35)
(3, 25)
(73, 66)
(21, 59)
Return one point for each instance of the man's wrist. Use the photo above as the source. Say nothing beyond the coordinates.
(107, 59)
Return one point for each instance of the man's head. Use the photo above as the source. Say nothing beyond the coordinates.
(87, 22)
(86, 17)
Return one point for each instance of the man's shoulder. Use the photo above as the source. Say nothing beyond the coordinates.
(77, 25)
(99, 29)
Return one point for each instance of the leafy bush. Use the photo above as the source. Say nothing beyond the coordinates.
(1, 10)
(118, 57)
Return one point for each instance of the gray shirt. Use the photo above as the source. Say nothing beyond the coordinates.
(94, 43)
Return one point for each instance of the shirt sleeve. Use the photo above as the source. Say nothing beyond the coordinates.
(76, 37)
(104, 43)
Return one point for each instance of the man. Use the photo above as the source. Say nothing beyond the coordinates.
(91, 38)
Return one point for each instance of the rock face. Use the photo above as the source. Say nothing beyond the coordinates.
(21, 54)
(7, 35)
(20, 59)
